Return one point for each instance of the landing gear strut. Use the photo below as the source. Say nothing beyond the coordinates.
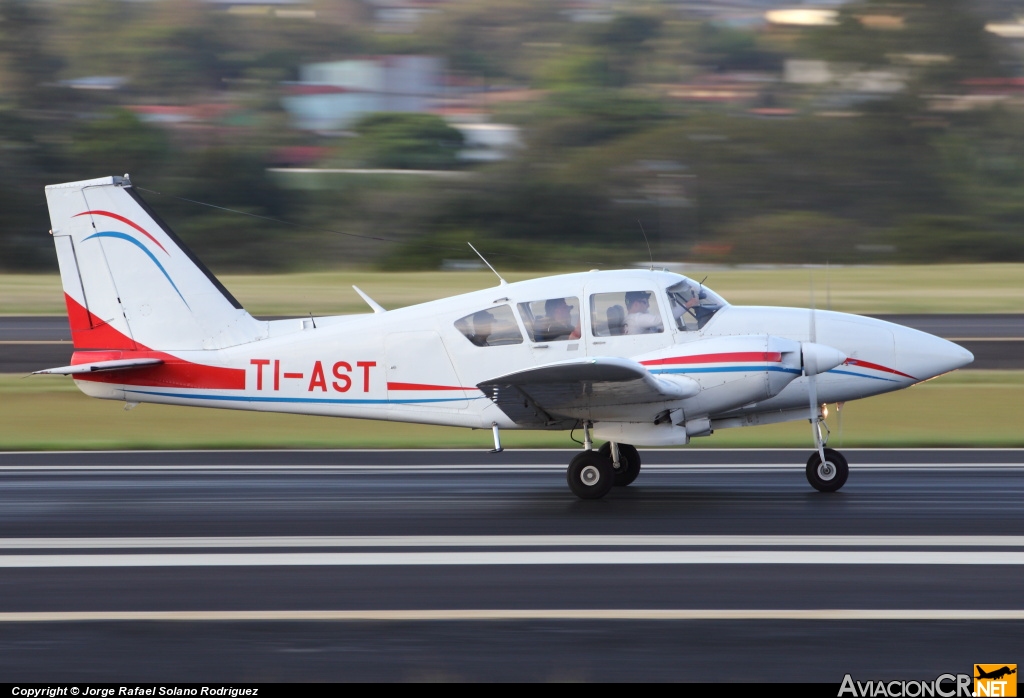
(626, 466)
(592, 474)
(827, 469)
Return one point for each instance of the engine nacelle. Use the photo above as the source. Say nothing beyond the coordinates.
(732, 371)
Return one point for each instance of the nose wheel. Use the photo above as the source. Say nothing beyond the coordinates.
(830, 474)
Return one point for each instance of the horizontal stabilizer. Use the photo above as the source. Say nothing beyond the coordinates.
(114, 365)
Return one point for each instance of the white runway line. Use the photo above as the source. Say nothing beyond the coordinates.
(661, 614)
(540, 557)
(534, 541)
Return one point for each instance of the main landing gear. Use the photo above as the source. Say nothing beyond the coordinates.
(592, 474)
(827, 469)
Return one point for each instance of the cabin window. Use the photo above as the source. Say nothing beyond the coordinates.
(493, 327)
(552, 319)
(625, 312)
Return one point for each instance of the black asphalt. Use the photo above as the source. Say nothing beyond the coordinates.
(431, 493)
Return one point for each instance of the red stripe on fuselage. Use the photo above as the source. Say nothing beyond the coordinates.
(172, 373)
(877, 367)
(124, 220)
(104, 343)
(731, 357)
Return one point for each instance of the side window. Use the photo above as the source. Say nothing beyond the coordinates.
(552, 319)
(491, 328)
(629, 312)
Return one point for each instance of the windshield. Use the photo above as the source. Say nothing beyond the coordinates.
(693, 304)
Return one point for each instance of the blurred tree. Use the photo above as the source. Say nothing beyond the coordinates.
(182, 48)
(404, 141)
(28, 71)
(583, 116)
(792, 237)
(723, 48)
(493, 38)
(952, 239)
(116, 141)
(948, 35)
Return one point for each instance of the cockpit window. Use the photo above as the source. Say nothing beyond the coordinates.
(693, 304)
(491, 328)
(552, 319)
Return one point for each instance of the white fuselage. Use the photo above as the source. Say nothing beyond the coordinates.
(417, 364)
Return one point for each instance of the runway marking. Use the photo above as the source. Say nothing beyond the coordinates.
(507, 541)
(488, 468)
(536, 557)
(657, 614)
(985, 339)
(35, 341)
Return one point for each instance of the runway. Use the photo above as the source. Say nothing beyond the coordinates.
(32, 343)
(434, 565)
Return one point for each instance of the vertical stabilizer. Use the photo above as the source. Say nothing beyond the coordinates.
(129, 282)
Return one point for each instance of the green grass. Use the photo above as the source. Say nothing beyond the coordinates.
(964, 409)
(967, 288)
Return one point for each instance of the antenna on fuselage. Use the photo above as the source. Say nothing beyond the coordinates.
(503, 282)
(649, 253)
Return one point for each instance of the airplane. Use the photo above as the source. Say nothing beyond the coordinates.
(636, 357)
(994, 674)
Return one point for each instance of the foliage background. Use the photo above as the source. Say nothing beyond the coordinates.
(932, 172)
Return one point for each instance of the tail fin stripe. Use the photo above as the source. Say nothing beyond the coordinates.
(126, 222)
(129, 238)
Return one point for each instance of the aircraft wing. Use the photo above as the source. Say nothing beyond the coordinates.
(571, 390)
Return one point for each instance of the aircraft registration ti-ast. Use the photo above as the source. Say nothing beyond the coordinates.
(632, 357)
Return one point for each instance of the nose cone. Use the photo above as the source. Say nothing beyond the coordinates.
(925, 356)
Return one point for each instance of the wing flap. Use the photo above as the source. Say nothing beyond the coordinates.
(570, 390)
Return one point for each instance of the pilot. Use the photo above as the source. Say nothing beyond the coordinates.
(558, 322)
(639, 319)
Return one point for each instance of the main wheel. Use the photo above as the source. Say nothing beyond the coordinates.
(629, 463)
(830, 475)
(590, 475)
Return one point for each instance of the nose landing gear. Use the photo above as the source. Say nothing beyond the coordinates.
(827, 469)
(828, 475)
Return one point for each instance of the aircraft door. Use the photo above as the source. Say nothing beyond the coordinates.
(625, 323)
(420, 373)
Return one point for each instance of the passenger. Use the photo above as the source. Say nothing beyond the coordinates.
(639, 319)
(616, 320)
(558, 322)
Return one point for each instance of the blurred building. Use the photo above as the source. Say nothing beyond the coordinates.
(332, 96)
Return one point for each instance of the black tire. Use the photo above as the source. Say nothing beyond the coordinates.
(831, 475)
(629, 463)
(590, 475)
